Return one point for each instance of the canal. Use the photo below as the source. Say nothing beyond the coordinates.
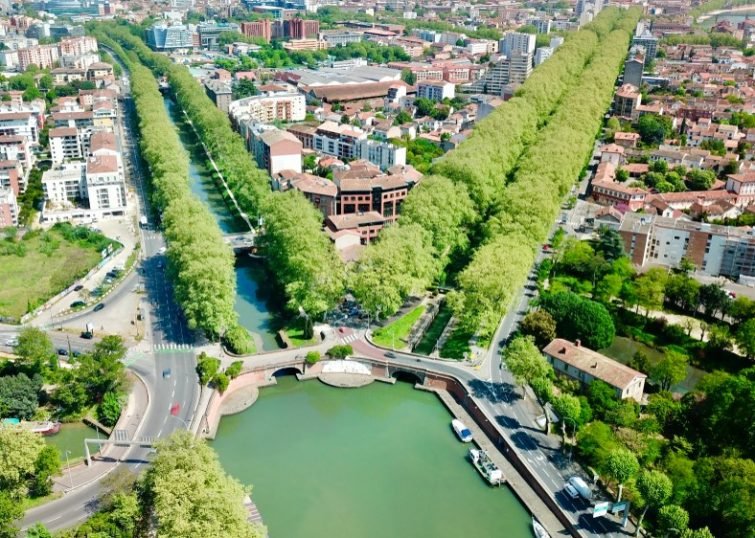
(371, 462)
(251, 303)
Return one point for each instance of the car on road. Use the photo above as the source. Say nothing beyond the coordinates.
(87, 335)
(62, 351)
(546, 247)
(78, 288)
(577, 488)
(12, 341)
(166, 373)
(99, 307)
(390, 354)
(162, 250)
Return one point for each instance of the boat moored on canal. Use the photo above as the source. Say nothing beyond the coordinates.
(486, 467)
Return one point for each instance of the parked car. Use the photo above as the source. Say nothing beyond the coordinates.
(78, 288)
(62, 351)
(576, 487)
(87, 335)
(99, 307)
(78, 304)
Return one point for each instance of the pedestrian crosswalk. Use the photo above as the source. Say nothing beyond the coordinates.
(172, 347)
(350, 338)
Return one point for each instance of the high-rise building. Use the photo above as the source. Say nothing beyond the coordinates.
(520, 67)
(542, 54)
(514, 42)
(543, 26)
(648, 41)
(262, 28)
(301, 29)
(634, 66)
(169, 37)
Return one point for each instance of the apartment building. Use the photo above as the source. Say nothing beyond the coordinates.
(715, 250)
(22, 124)
(337, 140)
(304, 44)
(105, 188)
(516, 42)
(8, 208)
(17, 148)
(436, 91)
(11, 177)
(276, 150)
(542, 54)
(266, 108)
(220, 92)
(42, 56)
(585, 365)
(65, 144)
(77, 46)
(65, 183)
(626, 100)
(383, 154)
(339, 38)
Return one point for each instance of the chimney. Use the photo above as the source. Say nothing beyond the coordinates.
(578, 342)
(595, 364)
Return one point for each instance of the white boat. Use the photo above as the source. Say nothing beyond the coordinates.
(486, 467)
(462, 432)
(539, 530)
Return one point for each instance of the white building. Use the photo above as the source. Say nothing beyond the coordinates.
(515, 42)
(65, 144)
(105, 187)
(276, 150)
(8, 208)
(436, 91)
(383, 154)
(65, 183)
(284, 106)
(19, 124)
(542, 54)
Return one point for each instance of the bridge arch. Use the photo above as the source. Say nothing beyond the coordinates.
(286, 370)
(410, 376)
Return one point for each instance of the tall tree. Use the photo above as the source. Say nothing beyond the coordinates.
(540, 325)
(655, 488)
(524, 360)
(670, 370)
(745, 338)
(621, 465)
(569, 409)
(34, 349)
(609, 244)
(713, 299)
(672, 519)
(650, 289)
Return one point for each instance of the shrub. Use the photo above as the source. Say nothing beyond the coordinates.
(221, 381)
(234, 369)
(207, 368)
(340, 351)
(238, 340)
(312, 357)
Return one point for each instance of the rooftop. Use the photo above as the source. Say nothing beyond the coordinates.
(597, 365)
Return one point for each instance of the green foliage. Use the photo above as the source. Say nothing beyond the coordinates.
(340, 351)
(46, 466)
(620, 466)
(670, 370)
(19, 396)
(37, 531)
(34, 349)
(745, 337)
(312, 357)
(234, 370)
(594, 442)
(19, 450)
(238, 340)
(207, 368)
(110, 409)
(398, 331)
(10, 511)
(654, 129)
(186, 493)
(672, 518)
(221, 381)
(580, 319)
(655, 489)
(524, 360)
(540, 325)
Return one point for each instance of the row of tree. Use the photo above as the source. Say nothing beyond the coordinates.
(528, 205)
(300, 256)
(201, 264)
(471, 179)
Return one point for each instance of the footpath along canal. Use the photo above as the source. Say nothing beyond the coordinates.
(251, 301)
(372, 462)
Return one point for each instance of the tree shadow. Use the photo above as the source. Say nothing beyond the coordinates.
(494, 392)
(523, 441)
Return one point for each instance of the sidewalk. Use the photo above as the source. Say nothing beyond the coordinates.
(104, 462)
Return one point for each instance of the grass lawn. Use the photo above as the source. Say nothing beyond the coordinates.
(29, 503)
(396, 332)
(427, 344)
(49, 264)
(295, 333)
(456, 345)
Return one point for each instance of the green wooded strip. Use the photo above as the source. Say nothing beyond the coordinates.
(201, 264)
(300, 257)
(532, 199)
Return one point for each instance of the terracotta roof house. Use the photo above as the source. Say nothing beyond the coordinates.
(586, 365)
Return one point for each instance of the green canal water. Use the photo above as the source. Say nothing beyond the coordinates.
(71, 437)
(251, 305)
(375, 462)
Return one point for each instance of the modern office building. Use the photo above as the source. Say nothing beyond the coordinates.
(162, 37)
(634, 66)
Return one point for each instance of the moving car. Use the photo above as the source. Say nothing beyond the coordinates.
(78, 288)
(576, 487)
(166, 373)
(99, 307)
(78, 304)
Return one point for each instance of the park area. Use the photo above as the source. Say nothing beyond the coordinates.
(38, 265)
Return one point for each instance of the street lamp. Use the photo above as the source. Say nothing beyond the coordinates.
(68, 464)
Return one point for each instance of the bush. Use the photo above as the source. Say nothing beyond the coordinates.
(340, 351)
(234, 369)
(109, 411)
(312, 357)
(578, 318)
(238, 340)
(207, 368)
(221, 382)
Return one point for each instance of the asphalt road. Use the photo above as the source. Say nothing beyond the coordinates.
(168, 329)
